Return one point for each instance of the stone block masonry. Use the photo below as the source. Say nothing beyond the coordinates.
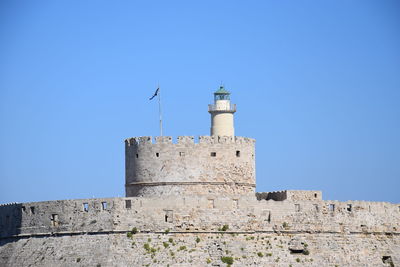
(297, 231)
(214, 165)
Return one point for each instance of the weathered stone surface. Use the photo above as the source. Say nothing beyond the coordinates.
(259, 232)
(193, 208)
(216, 165)
(297, 245)
(257, 249)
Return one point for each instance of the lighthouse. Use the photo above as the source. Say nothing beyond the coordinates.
(222, 114)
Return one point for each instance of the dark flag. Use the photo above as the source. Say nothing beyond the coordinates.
(155, 94)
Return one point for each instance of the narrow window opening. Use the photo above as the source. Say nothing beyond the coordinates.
(237, 153)
(128, 204)
(54, 219)
(104, 205)
(235, 203)
(296, 251)
(316, 207)
(7, 219)
(157, 154)
(168, 216)
(349, 207)
(32, 210)
(86, 207)
(331, 207)
(137, 155)
(213, 154)
(269, 217)
(297, 207)
(23, 209)
(315, 195)
(182, 154)
(211, 204)
(387, 260)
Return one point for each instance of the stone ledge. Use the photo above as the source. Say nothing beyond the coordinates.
(149, 140)
(188, 183)
(283, 232)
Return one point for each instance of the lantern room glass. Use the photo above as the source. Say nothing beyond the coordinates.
(221, 97)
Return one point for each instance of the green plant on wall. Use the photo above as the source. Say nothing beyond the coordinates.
(227, 260)
(224, 228)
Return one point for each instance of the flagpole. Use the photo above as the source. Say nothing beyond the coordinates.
(159, 109)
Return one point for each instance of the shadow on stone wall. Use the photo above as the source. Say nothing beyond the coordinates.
(277, 196)
(10, 222)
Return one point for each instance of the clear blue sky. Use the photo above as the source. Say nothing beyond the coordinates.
(317, 84)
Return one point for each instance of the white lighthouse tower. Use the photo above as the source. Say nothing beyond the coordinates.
(222, 114)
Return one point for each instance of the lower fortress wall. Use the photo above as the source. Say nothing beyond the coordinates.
(198, 231)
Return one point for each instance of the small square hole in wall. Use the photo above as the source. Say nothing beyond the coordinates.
(331, 207)
(235, 203)
(128, 204)
(349, 207)
(137, 155)
(32, 210)
(211, 204)
(213, 154)
(387, 260)
(54, 219)
(181, 154)
(297, 207)
(157, 154)
(86, 207)
(104, 205)
(168, 217)
(237, 153)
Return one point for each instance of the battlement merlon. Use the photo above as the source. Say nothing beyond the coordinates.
(149, 140)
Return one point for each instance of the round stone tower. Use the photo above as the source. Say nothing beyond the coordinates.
(222, 114)
(215, 165)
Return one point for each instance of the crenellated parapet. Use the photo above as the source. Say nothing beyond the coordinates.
(9, 204)
(292, 195)
(106, 215)
(302, 232)
(207, 165)
(149, 140)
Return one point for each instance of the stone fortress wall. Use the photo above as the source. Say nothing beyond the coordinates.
(197, 213)
(351, 229)
(194, 204)
(213, 165)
